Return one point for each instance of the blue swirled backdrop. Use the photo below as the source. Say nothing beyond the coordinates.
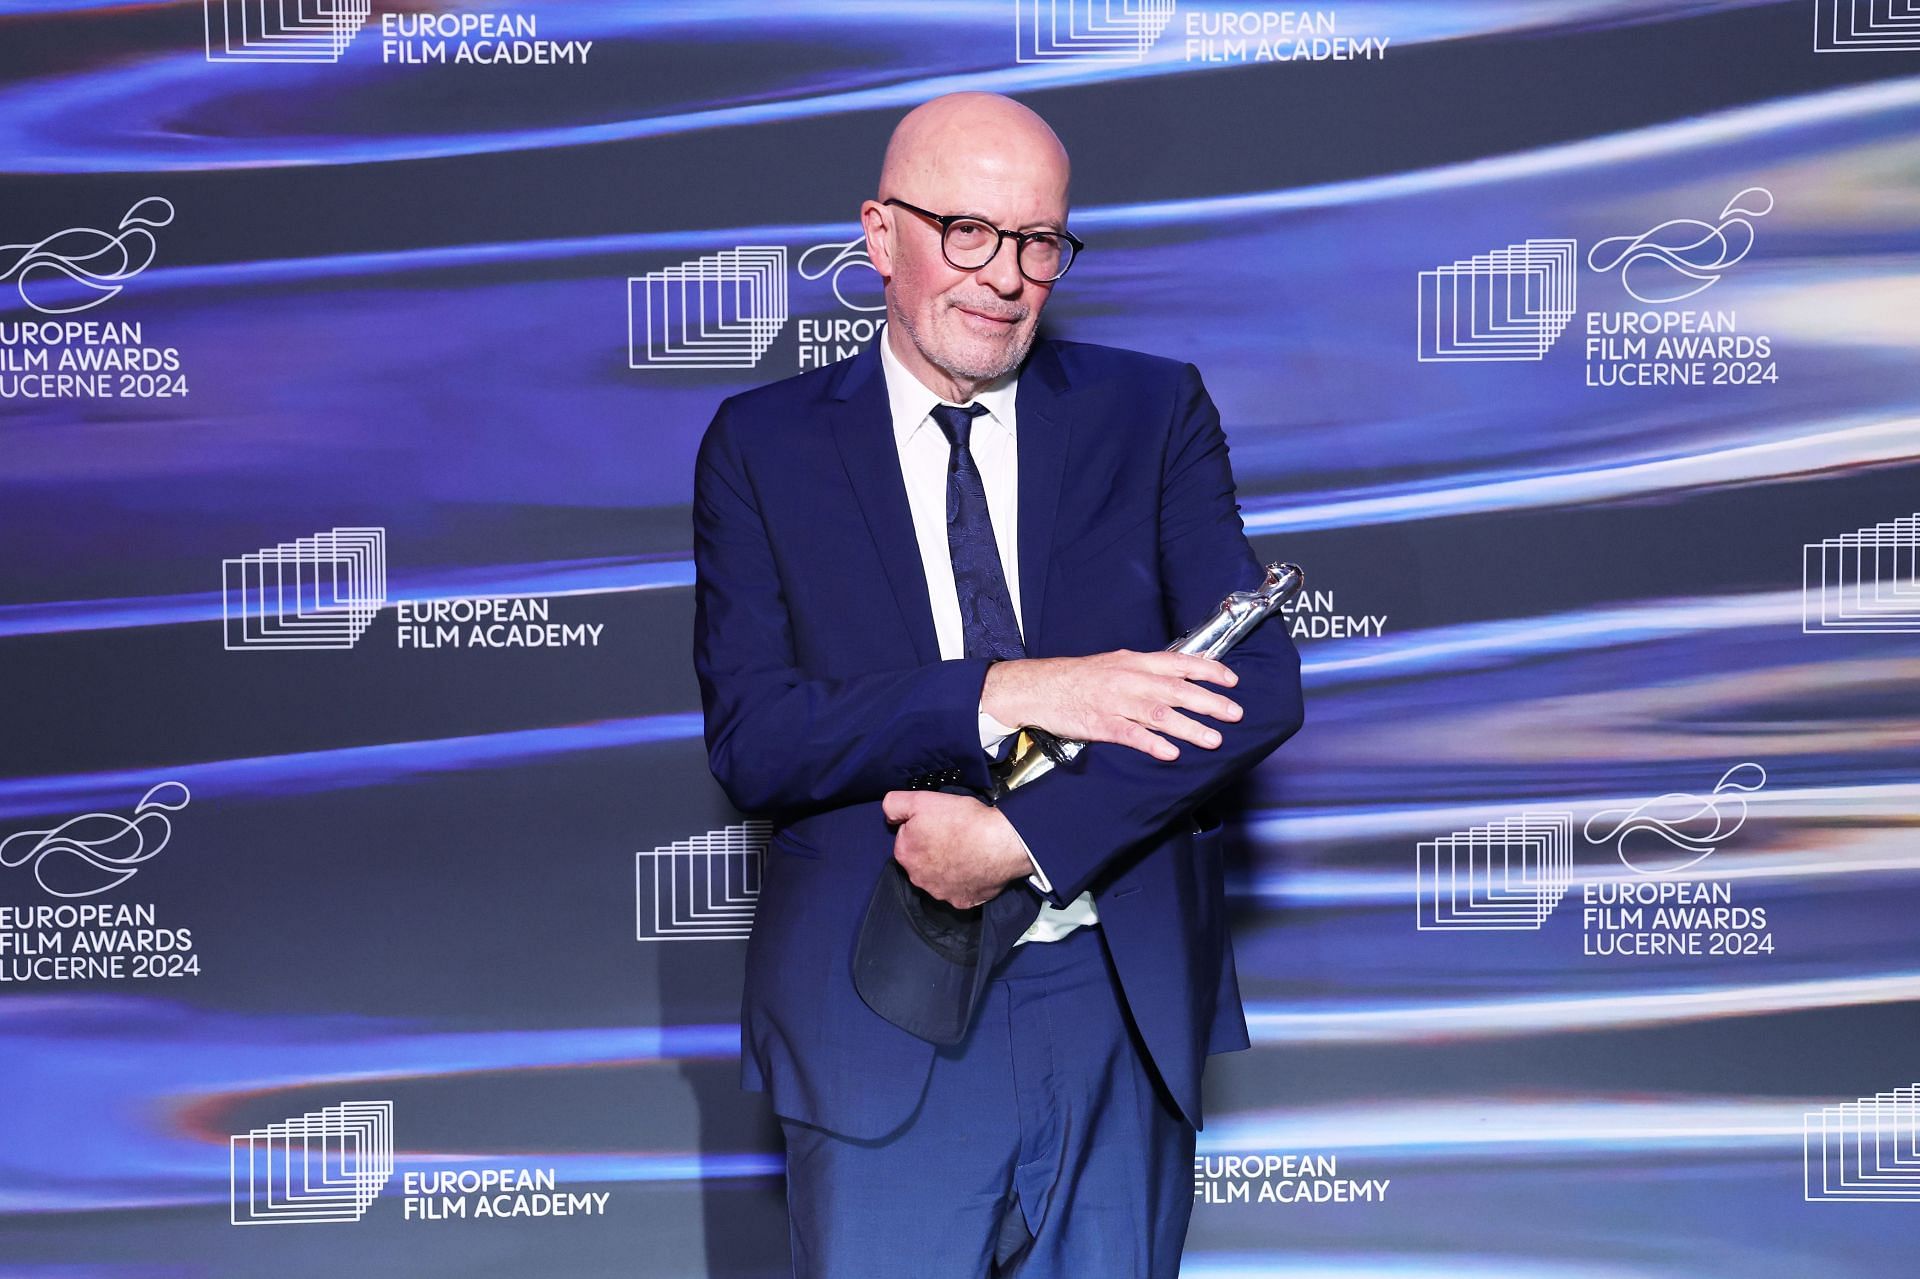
(1570, 345)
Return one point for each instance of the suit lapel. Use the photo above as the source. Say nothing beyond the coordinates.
(1043, 436)
(863, 432)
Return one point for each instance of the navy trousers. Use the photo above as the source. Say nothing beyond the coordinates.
(1044, 1148)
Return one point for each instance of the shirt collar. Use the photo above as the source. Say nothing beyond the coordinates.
(912, 401)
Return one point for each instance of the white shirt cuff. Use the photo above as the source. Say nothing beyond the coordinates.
(1039, 877)
(992, 733)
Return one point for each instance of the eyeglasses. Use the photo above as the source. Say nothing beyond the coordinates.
(969, 244)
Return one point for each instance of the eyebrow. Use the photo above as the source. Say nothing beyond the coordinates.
(977, 216)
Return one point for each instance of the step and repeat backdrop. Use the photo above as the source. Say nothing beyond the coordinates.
(366, 907)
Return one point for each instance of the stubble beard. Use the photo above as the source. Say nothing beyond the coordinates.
(970, 361)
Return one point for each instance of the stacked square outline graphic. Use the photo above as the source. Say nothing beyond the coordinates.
(1865, 26)
(316, 592)
(721, 311)
(282, 30)
(1867, 581)
(1866, 1150)
(1506, 876)
(1090, 30)
(325, 1165)
(1510, 304)
(700, 889)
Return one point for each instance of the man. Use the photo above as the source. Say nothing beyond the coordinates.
(900, 558)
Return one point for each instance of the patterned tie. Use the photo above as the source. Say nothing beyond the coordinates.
(986, 606)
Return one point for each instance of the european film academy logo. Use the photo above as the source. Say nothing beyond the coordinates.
(1510, 304)
(1502, 877)
(313, 593)
(721, 311)
(1865, 582)
(325, 1165)
(724, 310)
(1088, 30)
(702, 888)
(1866, 1150)
(282, 30)
(1864, 26)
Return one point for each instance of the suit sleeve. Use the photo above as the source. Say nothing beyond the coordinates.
(777, 741)
(1114, 799)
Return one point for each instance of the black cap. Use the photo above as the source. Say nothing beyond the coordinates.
(923, 964)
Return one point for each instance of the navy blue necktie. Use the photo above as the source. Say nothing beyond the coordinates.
(986, 606)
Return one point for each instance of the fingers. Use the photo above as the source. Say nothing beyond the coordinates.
(898, 805)
(1136, 700)
(964, 898)
(1147, 722)
(1189, 666)
(1188, 696)
(1173, 685)
(1165, 720)
(1128, 732)
(1158, 704)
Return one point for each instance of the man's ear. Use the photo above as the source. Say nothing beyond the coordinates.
(874, 221)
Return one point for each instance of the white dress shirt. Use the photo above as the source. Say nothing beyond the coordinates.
(924, 455)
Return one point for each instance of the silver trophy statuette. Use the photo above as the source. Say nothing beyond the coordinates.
(1036, 754)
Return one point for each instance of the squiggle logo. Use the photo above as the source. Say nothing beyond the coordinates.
(107, 842)
(1679, 820)
(840, 259)
(1683, 256)
(98, 260)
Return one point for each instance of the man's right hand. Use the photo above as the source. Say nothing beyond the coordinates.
(1123, 697)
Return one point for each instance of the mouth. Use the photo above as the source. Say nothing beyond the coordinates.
(986, 321)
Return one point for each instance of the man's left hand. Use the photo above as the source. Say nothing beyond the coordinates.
(953, 846)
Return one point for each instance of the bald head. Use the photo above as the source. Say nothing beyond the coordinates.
(981, 135)
(990, 159)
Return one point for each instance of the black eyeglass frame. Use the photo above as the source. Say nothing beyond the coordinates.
(1021, 240)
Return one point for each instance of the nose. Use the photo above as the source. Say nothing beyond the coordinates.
(1002, 274)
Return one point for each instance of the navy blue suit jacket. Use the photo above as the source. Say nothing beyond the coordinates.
(823, 689)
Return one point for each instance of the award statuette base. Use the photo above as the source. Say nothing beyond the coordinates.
(923, 964)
